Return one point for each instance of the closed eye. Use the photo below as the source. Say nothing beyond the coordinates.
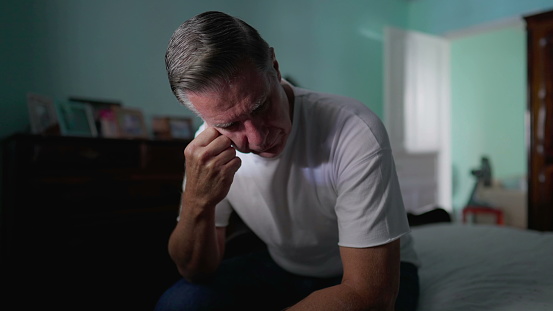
(227, 126)
(261, 108)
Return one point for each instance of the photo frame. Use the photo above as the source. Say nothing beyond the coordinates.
(172, 128)
(108, 125)
(181, 128)
(43, 117)
(130, 123)
(76, 119)
(102, 112)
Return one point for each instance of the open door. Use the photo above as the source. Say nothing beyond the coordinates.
(416, 109)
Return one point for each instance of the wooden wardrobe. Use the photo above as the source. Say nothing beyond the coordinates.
(540, 121)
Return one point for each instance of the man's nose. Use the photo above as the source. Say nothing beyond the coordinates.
(256, 133)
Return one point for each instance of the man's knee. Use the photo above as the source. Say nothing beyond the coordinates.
(408, 295)
(187, 296)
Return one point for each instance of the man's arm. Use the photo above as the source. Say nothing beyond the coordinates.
(195, 245)
(370, 281)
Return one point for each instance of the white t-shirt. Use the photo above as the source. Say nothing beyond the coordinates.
(334, 185)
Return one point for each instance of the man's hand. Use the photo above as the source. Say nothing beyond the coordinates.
(211, 163)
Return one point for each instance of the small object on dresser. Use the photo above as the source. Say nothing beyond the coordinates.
(108, 123)
(76, 119)
(130, 122)
(172, 127)
(99, 107)
(42, 114)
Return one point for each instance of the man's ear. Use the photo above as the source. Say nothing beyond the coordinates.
(275, 63)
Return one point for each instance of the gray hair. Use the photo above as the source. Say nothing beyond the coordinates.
(208, 50)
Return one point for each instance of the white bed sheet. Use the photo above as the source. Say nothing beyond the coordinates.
(484, 267)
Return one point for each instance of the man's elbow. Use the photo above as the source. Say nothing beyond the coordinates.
(193, 270)
(195, 276)
(381, 304)
(382, 300)
(385, 303)
(385, 300)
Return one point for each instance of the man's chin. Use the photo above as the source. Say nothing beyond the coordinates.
(264, 154)
(272, 152)
(267, 155)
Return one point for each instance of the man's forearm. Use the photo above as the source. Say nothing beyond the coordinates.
(343, 297)
(193, 244)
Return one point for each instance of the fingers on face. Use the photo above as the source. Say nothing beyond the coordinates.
(226, 158)
(234, 164)
(212, 147)
(207, 136)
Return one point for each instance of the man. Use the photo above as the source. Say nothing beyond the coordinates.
(311, 174)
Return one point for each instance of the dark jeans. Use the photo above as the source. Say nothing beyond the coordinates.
(255, 282)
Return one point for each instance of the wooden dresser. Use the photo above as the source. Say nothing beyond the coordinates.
(85, 221)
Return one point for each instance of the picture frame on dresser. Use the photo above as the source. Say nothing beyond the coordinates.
(169, 127)
(181, 128)
(43, 117)
(76, 119)
(103, 115)
(130, 122)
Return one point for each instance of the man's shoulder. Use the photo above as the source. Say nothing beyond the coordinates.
(341, 120)
(313, 96)
(323, 104)
(335, 108)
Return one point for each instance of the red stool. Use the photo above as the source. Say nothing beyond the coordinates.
(472, 210)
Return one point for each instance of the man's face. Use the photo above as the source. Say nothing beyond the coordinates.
(252, 110)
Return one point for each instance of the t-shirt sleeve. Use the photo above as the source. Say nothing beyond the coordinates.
(369, 205)
(223, 210)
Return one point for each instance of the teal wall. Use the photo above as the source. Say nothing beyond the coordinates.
(100, 49)
(113, 49)
(488, 104)
(333, 46)
(444, 16)
(488, 83)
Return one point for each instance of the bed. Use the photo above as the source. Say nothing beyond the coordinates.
(483, 267)
(465, 267)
